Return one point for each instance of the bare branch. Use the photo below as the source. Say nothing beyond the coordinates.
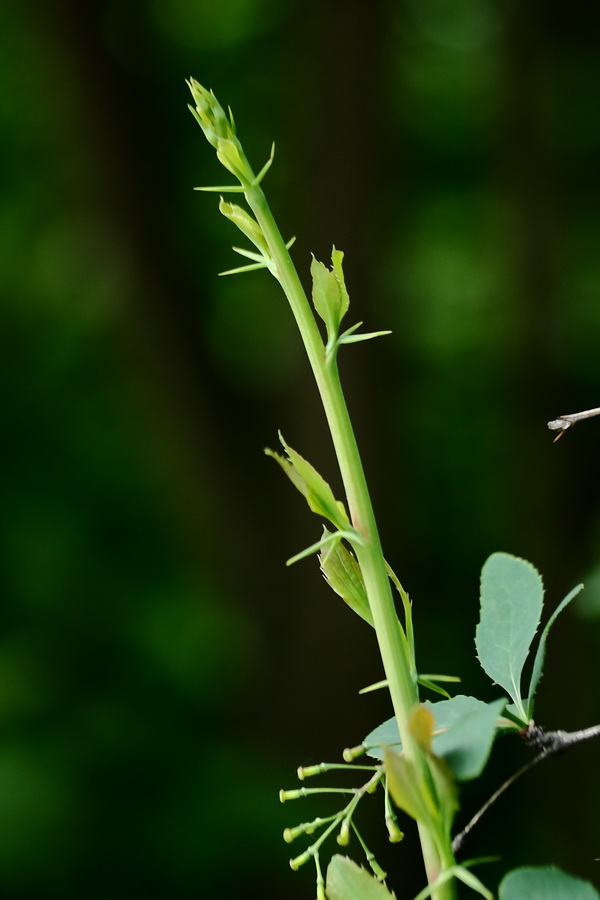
(563, 422)
(549, 743)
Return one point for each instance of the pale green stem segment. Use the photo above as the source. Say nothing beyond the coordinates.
(393, 648)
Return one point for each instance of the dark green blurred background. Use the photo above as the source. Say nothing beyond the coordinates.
(162, 673)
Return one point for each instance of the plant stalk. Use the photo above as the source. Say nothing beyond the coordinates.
(396, 664)
(220, 132)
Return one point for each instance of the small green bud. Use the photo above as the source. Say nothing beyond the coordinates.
(307, 771)
(300, 860)
(394, 833)
(352, 753)
(209, 114)
(343, 837)
(291, 795)
(219, 131)
(228, 154)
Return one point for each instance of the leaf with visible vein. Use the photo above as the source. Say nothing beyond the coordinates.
(511, 605)
(342, 574)
(329, 293)
(311, 485)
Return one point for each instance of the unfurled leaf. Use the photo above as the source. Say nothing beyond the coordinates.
(311, 485)
(406, 786)
(463, 734)
(466, 738)
(538, 664)
(342, 574)
(511, 605)
(330, 297)
(545, 883)
(348, 881)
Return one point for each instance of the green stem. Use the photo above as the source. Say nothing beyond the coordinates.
(394, 655)
(395, 649)
(370, 556)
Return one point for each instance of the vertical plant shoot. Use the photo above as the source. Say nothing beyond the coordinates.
(420, 756)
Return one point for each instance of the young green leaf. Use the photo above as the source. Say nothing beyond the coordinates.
(545, 883)
(406, 787)
(511, 605)
(342, 574)
(245, 223)
(312, 486)
(422, 724)
(538, 663)
(348, 881)
(329, 293)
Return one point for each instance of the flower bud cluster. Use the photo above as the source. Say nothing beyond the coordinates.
(219, 130)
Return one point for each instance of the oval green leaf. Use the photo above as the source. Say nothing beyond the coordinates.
(511, 606)
(545, 883)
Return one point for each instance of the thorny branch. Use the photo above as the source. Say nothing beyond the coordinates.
(549, 743)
